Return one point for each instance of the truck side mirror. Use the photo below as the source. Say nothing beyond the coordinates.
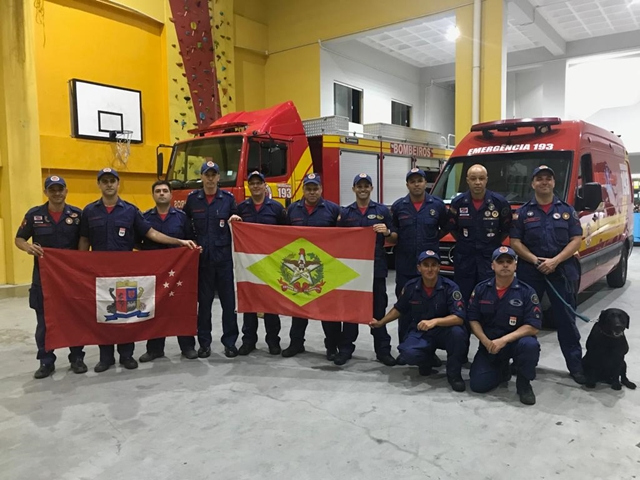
(588, 196)
(160, 164)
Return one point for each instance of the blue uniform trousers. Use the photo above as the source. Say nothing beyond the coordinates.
(565, 322)
(419, 347)
(487, 369)
(381, 338)
(216, 278)
(36, 302)
(469, 271)
(404, 322)
(250, 328)
(341, 336)
(156, 345)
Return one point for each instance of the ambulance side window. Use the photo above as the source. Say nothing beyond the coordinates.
(585, 175)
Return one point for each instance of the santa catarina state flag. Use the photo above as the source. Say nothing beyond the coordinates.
(105, 298)
(308, 272)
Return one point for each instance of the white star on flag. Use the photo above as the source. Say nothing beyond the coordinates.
(171, 294)
(179, 283)
(165, 284)
(172, 273)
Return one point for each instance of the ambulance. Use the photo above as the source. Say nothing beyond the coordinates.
(592, 174)
(276, 142)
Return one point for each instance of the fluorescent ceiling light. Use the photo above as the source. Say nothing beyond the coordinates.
(453, 33)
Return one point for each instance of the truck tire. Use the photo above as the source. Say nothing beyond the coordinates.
(618, 276)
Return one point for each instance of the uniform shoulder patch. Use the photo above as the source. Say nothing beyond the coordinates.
(575, 215)
(534, 299)
(505, 211)
(457, 295)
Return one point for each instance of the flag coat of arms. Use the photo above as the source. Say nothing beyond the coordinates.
(105, 298)
(308, 272)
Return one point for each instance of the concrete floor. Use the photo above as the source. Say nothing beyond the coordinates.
(303, 418)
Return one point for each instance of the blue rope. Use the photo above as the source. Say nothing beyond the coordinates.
(571, 309)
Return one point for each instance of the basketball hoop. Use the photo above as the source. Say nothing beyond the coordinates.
(123, 144)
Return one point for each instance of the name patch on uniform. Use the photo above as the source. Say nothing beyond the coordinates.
(534, 219)
(122, 231)
(513, 321)
(516, 302)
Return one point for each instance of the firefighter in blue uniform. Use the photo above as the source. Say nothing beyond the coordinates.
(364, 212)
(173, 223)
(419, 220)
(53, 225)
(479, 220)
(313, 211)
(110, 224)
(210, 210)
(260, 209)
(436, 309)
(504, 313)
(546, 233)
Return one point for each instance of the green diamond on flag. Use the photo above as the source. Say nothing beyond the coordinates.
(302, 271)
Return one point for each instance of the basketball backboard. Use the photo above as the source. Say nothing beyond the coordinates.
(97, 110)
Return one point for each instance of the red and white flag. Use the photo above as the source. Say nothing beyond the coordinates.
(105, 298)
(308, 272)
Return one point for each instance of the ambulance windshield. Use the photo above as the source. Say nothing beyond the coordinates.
(188, 157)
(509, 174)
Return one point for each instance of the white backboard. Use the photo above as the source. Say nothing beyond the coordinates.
(98, 109)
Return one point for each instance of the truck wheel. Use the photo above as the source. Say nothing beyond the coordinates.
(618, 277)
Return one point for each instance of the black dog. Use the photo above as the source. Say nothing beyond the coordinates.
(606, 348)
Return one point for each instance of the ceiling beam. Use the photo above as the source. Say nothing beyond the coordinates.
(528, 19)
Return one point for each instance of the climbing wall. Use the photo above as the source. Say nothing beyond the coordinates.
(183, 117)
(222, 28)
(195, 45)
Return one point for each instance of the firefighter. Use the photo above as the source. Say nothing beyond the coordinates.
(364, 212)
(210, 210)
(546, 233)
(419, 220)
(173, 223)
(55, 224)
(504, 313)
(436, 310)
(111, 224)
(260, 209)
(312, 211)
(479, 220)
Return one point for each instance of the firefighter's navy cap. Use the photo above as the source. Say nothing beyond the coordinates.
(542, 168)
(108, 170)
(428, 254)
(416, 171)
(498, 252)
(362, 176)
(54, 180)
(312, 178)
(255, 173)
(206, 166)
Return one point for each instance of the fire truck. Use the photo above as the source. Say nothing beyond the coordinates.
(276, 142)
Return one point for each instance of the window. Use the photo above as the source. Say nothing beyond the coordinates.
(188, 157)
(347, 102)
(269, 158)
(400, 114)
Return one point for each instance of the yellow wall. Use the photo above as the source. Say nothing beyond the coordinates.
(464, 71)
(96, 42)
(295, 75)
(19, 147)
(251, 43)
